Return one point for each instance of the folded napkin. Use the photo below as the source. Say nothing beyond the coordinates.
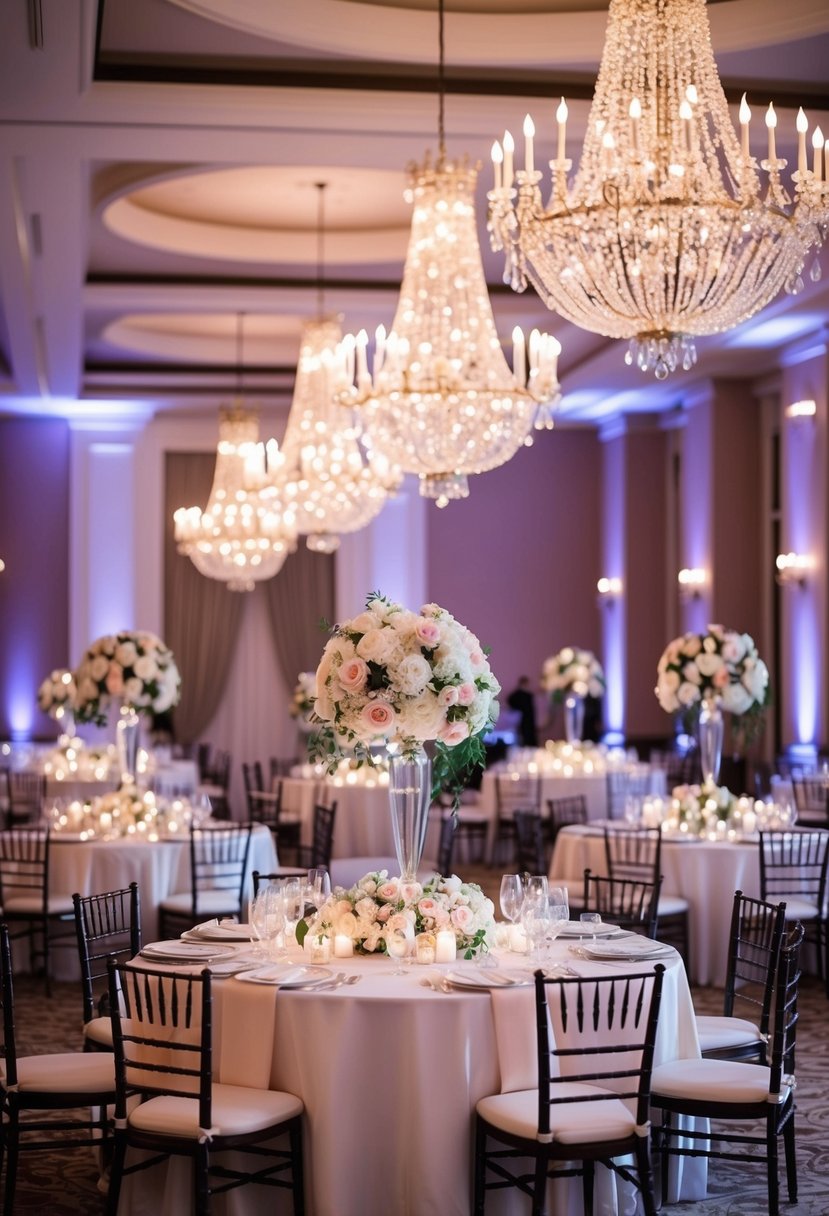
(221, 930)
(513, 1012)
(280, 975)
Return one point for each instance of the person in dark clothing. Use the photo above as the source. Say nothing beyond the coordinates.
(523, 701)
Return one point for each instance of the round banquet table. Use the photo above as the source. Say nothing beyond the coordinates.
(390, 1072)
(172, 779)
(160, 868)
(705, 872)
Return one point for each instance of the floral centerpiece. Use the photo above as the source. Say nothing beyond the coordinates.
(301, 707)
(377, 906)
(126, 811)
(572, 671)
(700, 806)
(718, 663)
(57, 697)
(134, 667)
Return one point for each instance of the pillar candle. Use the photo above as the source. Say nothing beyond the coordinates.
(343, 946)
(445, 946)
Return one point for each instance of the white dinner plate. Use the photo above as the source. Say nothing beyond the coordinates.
(574, 928)
(630, 950)
(215, 931)
(190, 952)
(287, 976)
(483, 978)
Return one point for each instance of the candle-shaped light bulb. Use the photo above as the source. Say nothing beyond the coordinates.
(508, 144)
(635, 113)
(529, 132)
(686, 114)
(745, 119)
(691, 94)
(497, 164)
(519, 364)
(817, 148)
(561, 118)
(379, 347)
(802, 124)
(771, 123)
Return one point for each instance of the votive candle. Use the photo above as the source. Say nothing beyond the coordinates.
(445, 946)
(343, 946)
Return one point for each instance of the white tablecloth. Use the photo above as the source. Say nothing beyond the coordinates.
(705, 872)
(390, 1073)
(160, 868)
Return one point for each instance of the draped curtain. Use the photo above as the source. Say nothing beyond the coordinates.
(201, 617)
(299, 598)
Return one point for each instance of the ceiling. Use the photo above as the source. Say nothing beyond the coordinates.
(159, 162)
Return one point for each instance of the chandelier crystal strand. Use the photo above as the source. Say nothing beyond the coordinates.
(667, 230)
(247, 529)
(337, 486)
(440, 400)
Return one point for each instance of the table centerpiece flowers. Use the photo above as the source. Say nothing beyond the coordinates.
(701, 807)
(377, 906)
(57, 696)
(570, 676)
(301, 707)
(396, 678)
(703, 674)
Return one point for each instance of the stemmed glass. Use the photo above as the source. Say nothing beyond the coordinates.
(535, 885)
(591, 921)
(511, 899)
(557, 915)
(293, 898)
(399, 946)
(319, 887)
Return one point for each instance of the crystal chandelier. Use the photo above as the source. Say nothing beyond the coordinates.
(667, 230)
(336, 484)
(442, 401)
(247, 529)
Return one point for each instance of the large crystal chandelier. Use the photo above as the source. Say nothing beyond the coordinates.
(337, 485)
(667, 229)
(442, 401)
(247, 529)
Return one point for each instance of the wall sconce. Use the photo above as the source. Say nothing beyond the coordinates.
(609, 590)
(801, 411)
(793, 568)
(691, 583)
(2, 565)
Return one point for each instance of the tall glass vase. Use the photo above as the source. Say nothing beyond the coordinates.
(573, 717)
(410, 795)
(126, 742)
(710, 730)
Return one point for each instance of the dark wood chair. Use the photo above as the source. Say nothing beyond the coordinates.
(530, 842)
(183, 1111)
(562, 812)
(218, 873)
(754, 944)
(793, 867)
(34, 1088)
(108, 926)
(28, 907)
(811, 797)
(266, 808)
(637, 853)
(738, 1093)
(26, 794)
(215, 783)
(513, 792)
(595, 1042)
(624, 901)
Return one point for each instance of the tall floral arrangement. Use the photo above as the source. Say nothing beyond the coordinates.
(401, 678)
(720, 663)
(57, 692)
(132, 666)
(572, 671)
(377, 906)
(301, 707)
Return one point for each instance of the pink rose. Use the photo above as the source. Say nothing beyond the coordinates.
(476, 658)
(378, 717)
(448, 696)
(384, 912)
(462, 917)
(388, 891)
(427, 633)
(427, 907)
(453, 733)
(115, 680)
(467, 694)
(352, 675)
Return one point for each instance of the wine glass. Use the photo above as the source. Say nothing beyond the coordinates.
(535, 886)
(560, 897)
(319, 886)
(557, 916)
(511, 897)
(293, 897)
(399, 945)
(534, 917)
(591, 922)
(258, 919)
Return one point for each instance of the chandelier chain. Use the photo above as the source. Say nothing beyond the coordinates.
(441, 83)
(320, 249)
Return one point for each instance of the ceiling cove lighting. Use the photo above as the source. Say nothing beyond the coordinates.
(441, 400)
(670, 228)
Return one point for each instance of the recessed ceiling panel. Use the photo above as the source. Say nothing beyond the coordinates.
(211, 338)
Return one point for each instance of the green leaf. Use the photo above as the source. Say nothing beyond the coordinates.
(302, 928)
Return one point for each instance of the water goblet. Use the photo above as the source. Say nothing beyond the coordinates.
(591, 922)
(258, 920)
(560, 897)
(511, 899)
(535, 885)
(399, 944)
(557, 916)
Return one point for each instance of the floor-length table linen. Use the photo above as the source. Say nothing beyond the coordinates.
(390, 1073)
(705, 872)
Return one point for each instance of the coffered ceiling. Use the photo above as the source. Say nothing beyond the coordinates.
(159, 162)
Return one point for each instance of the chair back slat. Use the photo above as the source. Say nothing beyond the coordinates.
(634, 853)
(784, 1030)
(793, 863)
(530, 839)
(629, 902)
(24, 866)
(755, 940)
(323, 835)
(219, 861)
(517, 792)
(108, 926)
(8, 1047)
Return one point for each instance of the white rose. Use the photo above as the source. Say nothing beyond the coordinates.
(422, 718)
(756, 679)
(381, 646)
(736, 699)
(709, 664)
(133, 690)
(146, 668)
(687, 693)
(412, 674)
(126, 654)
(363, 623)
(691, 672)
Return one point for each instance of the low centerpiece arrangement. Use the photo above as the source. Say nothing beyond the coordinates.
(702, 807)
(401, 679)
(127, 811)
(378, 906)
(703, 674)
(570, 676)
(57, 697)
(135, 669)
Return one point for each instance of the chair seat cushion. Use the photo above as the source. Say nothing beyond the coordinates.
(68, 1072)
(713, 1081)
(210, 903)
(672, 905)
(237, 1111)
(99, 1030)
(570, 1123)
(717, 1032)
(32, 905)
(798, 909)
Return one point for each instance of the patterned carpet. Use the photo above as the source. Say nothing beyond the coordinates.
(66, 1183)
